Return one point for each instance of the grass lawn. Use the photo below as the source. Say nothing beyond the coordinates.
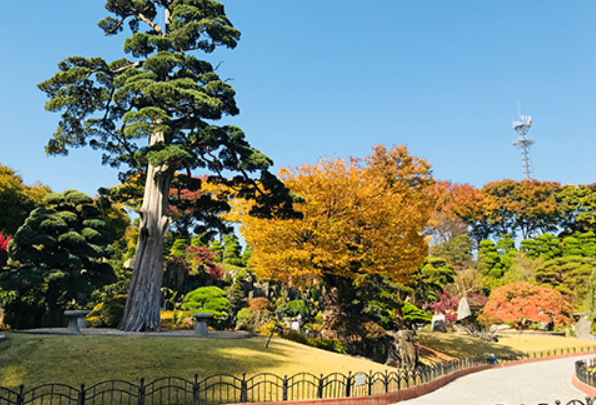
(461, 346)
(37, 359)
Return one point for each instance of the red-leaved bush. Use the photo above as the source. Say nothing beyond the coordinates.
(206, 259)
(446, 305)
(259, 304)
(523, 303)
(4, 239)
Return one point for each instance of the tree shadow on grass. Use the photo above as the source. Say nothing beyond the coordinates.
(466, 346)
(74, 360)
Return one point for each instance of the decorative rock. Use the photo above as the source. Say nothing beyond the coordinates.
(74, 321)
(201, 324)
(463, 309)
(582, 328)
(2, 338)
(439, 323)
(403, 353)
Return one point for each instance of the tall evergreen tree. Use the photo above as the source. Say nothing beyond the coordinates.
(170, 98)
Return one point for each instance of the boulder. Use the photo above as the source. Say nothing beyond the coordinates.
(463, 309)
(439, 323)
(403, 353)
(582, 328)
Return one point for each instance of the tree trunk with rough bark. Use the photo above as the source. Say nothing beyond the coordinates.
(335, 286)
(399, 316)
(142, 311)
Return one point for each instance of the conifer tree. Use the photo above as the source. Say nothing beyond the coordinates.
(169, 98)
(56, 257)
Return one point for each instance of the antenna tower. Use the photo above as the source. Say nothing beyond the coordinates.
(523, 143)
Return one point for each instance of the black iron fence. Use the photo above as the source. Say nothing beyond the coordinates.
(587, 401)
(584, 371)
(228, 389)
(265, 387)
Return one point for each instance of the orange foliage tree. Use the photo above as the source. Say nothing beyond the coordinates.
(360, 216)
(523, 303)
(500, 207)
(457, 206)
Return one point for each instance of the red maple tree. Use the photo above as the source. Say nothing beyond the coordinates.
(205, 259)
(523, 303)
(447, 305)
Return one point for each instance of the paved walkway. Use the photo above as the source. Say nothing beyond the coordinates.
(178, 333)
(529, 384)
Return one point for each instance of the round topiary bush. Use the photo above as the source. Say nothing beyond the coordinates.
(245, 319)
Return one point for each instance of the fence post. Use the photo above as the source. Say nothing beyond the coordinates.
(81, 400)
(284, 389)
(320, 388)
(243, 389)
(195, 391)
(386, 381)
(370, 376)
(20, 398)
(349, 384)
(141, 398)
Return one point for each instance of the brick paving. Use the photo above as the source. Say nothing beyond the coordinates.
(530, 384)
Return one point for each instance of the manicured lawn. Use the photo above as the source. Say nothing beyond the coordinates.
(36, 359)
(462, 346)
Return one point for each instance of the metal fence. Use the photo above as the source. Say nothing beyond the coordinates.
(265, 387)
(228, 389)
(587, 401)
(584, 373)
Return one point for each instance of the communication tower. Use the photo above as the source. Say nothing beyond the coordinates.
(523, 143)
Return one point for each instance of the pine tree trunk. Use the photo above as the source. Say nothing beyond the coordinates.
(399, 316)
(142, 311)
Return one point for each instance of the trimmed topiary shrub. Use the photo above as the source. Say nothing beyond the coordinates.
(245, 319)
(212, 300)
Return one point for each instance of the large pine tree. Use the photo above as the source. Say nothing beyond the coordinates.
(167, 96)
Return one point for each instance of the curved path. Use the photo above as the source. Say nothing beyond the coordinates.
(529, 384)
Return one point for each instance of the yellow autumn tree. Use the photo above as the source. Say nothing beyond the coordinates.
(360, 216)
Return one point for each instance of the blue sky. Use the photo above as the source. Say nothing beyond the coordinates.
(333, 78)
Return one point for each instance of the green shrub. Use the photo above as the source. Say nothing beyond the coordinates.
(294, 336)
(107, 314)
(266, 328)
(245, 319)
(319, 318)
(332, 345)
(293, 308)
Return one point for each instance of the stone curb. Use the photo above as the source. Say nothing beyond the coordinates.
(560, 356)
(585, 388)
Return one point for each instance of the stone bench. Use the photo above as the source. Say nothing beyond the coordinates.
(201, 323)
(75, 319)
